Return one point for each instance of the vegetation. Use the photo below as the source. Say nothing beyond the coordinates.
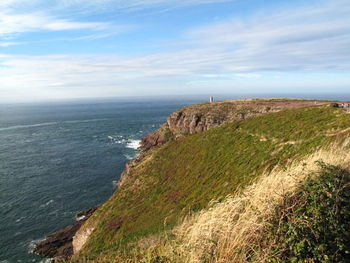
(235, 229)
(183, 176)
(313, 224)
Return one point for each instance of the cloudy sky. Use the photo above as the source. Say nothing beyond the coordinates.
(111, 48)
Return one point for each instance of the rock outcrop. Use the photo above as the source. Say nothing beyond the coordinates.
(198, 118)
(157, 138)
(80, 238)
(58, 245)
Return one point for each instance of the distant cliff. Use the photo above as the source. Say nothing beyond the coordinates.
(202, 117)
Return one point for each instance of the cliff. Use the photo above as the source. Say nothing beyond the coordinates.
(197, 165)
(198, 118)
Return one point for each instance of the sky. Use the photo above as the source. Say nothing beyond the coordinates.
(64, 49)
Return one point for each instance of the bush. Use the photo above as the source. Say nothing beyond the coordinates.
(313, 225)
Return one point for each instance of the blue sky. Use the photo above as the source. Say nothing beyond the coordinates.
(61, 49)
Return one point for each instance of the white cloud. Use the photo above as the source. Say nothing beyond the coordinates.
(30, 22)
(95, 5)
(21, 16)
(9, 44)
(314, 39)
(249, 75)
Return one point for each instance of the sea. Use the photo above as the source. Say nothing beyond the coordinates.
(59, 158)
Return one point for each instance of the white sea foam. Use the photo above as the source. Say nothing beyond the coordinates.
(47, 203)
(117, 139)
(20, 219)
(28, 126)
(129, 157)
(33, 243)
(80, 121)
(46, 124)
(129, 143)
(80, 218)
(133, 144)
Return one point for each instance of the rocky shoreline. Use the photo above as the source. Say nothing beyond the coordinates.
(58, 246)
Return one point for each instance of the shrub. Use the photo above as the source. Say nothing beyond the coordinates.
(313, 225)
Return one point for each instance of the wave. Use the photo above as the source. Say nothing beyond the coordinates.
(32, 244)
(129, 143)
(80, 121)
(47, 203)
(47, 124)
(117, 139)
(20, 219)
(78, 218)
(129, 157)
(28, 126)
(133, 144)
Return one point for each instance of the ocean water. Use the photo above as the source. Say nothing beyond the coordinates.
(60, 158)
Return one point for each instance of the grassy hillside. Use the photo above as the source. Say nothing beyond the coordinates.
(183, 176)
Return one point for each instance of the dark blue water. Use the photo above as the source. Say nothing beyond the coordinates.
(58, 159)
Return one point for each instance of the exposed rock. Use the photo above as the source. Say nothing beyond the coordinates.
(80, 239)
(58, 245)
(198, 118)
(155, 139)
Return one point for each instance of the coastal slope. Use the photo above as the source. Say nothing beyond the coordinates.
(199, 166)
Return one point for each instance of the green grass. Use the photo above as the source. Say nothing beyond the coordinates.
(184, 175)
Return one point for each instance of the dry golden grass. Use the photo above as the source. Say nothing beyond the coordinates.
(229, 231)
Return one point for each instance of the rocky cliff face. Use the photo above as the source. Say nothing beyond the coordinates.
(156, 138)
(202, 117)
